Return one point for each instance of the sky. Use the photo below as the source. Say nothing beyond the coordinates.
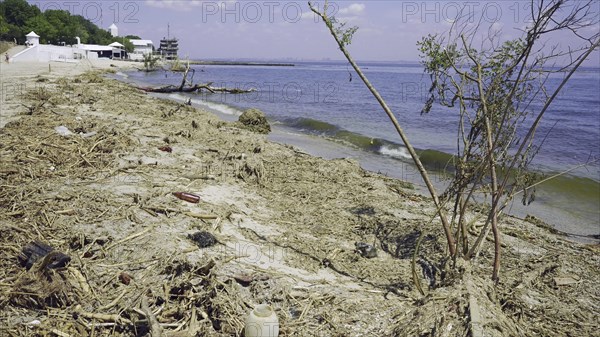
(288, 30)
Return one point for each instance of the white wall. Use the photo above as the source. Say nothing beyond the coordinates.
(47, 53)
(30, 54)
(33, 40)
(142, 50)
(55, 53)
(136, 57)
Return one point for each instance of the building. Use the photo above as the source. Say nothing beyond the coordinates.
(36, 52)
(32, 39)
(118, 50)
(47, 53)
(140, 49)
(113, 30)
(94, 51)
(168, 48)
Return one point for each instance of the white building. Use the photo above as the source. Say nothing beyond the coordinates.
(93, 51)
(47, 53)
(36, 52)
(32, 39)
(118, 50)
(114, 31)
(141, 48)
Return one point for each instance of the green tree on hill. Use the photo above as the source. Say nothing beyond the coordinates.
(17, 12)
(62, 22)
(4, 27)
(40, 24)
(17, 18)
(13, 16)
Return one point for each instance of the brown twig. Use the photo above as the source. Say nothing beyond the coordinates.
(155, 329)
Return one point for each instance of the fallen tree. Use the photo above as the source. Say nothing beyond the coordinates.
(196, 88)
(190, 87)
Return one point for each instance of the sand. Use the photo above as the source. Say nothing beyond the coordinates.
(286, 225)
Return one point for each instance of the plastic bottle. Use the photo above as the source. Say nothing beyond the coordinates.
(189, 197)
(262, 322)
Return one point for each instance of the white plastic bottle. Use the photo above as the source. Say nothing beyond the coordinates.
(262, 322)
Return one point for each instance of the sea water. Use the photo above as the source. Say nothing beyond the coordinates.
(324, 108)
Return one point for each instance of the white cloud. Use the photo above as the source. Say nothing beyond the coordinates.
(174, 4)
(352, 10)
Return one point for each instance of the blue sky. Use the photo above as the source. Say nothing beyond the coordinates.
(388, 30)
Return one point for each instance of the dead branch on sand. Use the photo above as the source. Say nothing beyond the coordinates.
(195, 87)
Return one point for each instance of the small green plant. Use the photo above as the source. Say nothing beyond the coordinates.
(177, 65)
(492, 89)
(150, 62)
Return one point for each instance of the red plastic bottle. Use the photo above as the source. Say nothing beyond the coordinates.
(189, 197)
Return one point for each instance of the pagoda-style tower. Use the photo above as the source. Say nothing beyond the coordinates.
(169, 46)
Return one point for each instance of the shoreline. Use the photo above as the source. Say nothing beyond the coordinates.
(286, 225)
(351, 129)
(240, 63)
(577, 222)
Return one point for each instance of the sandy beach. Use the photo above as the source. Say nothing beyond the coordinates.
(286, 227)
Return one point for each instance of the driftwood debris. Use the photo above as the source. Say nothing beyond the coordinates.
(195, 87)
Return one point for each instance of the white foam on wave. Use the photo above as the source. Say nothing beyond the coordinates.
(118, 73)
(400, 153)
(216, 107)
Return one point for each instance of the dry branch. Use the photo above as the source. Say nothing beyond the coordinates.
(156, 330)
(196, 87)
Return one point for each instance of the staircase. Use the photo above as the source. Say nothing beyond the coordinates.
(15, 50)
(23, 53)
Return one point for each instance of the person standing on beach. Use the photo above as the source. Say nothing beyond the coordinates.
(7, 57)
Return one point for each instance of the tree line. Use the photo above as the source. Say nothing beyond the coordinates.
(18, 18)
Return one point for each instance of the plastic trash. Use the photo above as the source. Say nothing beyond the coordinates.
(166, 149)
(189, 197)
(262, 322)
(36, 250)
(63, 131)
(365, 250)
(203, 239)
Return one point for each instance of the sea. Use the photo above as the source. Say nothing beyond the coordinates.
(324, 109)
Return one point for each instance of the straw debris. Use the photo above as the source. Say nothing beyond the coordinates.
(284, 225)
